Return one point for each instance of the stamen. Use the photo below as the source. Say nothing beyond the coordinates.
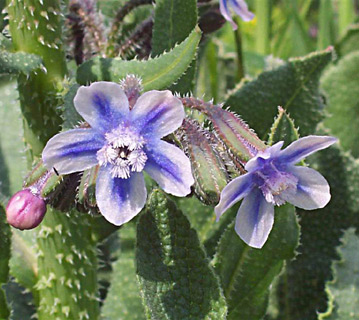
(123, 152)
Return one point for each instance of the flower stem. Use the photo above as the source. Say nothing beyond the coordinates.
(238, 40)
(264, 24)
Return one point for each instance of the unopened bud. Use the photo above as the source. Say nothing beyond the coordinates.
(230, 128)
(25, 210)
(132, 85)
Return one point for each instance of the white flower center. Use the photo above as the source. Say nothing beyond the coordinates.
(275, 183)
(123, 151)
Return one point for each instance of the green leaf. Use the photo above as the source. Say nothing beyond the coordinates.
(23, 264)
(175, 278)
(301, 291)
(343, 289)
(5, 239)
(19, 62)
(294, 86)
(69, 114)
(157, 73)
(20, 301)
(174, 20)
(283, 129)
(123, 300)
(203, 219)
(341, 83)
(12, 162)
(349, 42)
(247, 273)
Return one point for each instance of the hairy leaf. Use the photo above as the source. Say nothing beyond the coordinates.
(174, 20)
(123, 300)
(175, 278)
(12, 162)
(283, 129)
(247, 273)
(343, 289)
(156, 73)
(294, 86)
(350, 41)
(341, 84)
(5, 238)
(301, 291)
(19, 62)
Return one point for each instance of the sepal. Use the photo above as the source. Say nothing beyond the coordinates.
(208, 167)
(230, 128)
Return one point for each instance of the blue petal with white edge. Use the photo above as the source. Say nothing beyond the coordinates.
(313, 190)
(255, 219)
(169, 167)
(233, 192)
(240, 8)
(223, 7)
(120, 200)
(72, 151)
(103, 105)
(157, 113)
(304, 147)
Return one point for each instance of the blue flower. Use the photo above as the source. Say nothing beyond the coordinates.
(123, 142)
(273, 179)
(239, 7)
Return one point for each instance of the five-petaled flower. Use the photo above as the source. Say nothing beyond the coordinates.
(273, 179)
(239, 7)
(123, 142)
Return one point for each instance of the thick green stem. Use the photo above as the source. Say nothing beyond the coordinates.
(35, 27)
(346, 14)
(264, 25)
(67, 264)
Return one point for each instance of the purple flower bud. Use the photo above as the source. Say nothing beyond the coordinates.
(25, 210)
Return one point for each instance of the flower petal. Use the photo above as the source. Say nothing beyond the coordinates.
(255, 219)
(223, 7)
(304, 147)
(257, 161)
(72, 151)
(157, 113)
(313, 190)
(240, 8)
(119, 200)
(234, 191)
(103, 105)
(169, 167)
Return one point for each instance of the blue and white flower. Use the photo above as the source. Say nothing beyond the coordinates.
(239, 7)
(123, 142)
(273, 179)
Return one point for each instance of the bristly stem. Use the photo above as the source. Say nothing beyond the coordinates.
(263, 11)
(35, 27)
(67, 263)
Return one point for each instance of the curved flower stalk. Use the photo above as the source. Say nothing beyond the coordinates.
(239, 7)
(273, 179)
(123, 141)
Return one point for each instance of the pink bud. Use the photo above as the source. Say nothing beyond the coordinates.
(25, 210)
